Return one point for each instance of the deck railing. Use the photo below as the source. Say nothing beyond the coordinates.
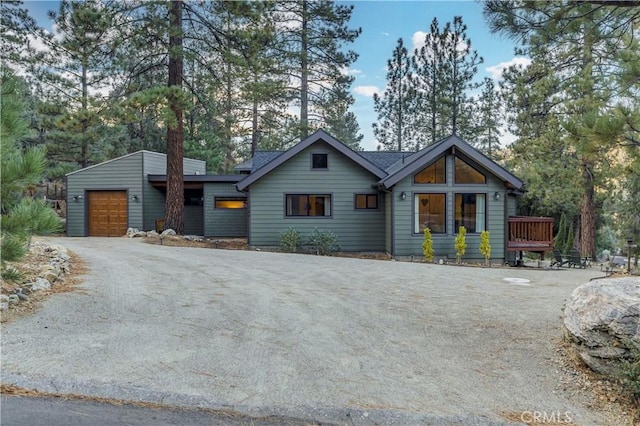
(530, 234)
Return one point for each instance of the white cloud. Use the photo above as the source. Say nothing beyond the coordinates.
(418, 39)
(386, 34)
(366, 90)
(496, 70)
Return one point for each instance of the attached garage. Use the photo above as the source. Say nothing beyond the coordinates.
(107, 213)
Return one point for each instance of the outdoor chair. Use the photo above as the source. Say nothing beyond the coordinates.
(576, 260)
(559, 261)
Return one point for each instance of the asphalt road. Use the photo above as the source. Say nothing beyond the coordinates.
(320, 338)
(49, 411)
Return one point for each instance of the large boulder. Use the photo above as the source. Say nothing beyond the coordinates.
(602, 320)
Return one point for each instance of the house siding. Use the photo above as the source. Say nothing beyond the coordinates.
(155, 199)
(357, 230)
(223, 222)
(120, 174)
(409, 244)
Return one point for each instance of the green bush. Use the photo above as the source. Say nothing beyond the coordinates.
(427, 245)
(323, 242)
(290, 240)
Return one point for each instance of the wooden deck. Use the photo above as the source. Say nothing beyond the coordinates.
(527, 233)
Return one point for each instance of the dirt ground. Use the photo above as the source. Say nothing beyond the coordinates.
(574, 377)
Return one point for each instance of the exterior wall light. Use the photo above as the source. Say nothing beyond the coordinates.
(403, 195)
(134, 197)
(77, 197)
(497, 196)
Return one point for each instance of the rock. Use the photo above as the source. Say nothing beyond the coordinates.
(4, 306)
(152, 234)
(602, 320)
(13, 299)
(25, 290)
(22, 296)
(168, 232)
(40, 284)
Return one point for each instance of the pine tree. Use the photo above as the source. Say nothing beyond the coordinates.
(396, 107)
(574, 48)
(21, 216)
(488, 115)
(312, 46)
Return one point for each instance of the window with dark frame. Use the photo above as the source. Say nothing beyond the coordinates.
(470, 212)
(430, 211)
(466, 173)
(366, 201)
(434, 173)
(230, 203)
(319, 161)
(303, 205)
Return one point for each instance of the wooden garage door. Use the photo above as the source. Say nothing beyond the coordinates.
(107, 213)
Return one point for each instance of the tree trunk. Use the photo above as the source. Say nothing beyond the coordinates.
(84, 155)
(304, 74)
(587, 211)
(254, 127)
(174, 215)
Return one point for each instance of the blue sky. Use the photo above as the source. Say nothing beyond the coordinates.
(383, 22)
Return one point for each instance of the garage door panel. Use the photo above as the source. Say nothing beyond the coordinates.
(107, 213)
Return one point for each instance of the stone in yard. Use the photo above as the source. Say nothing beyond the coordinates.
(13, 299)
(152, 234)
(4, 306)
(40, 284)
(22, 296)
(602, 319)
(168, 232)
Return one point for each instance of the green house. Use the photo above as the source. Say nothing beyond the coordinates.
(382, 201)
(373, 201)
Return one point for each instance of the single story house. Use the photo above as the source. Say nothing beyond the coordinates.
(130, 192)
(373, 201)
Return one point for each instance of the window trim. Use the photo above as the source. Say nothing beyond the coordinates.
(486, 206)
(326, 154)
(470, 164)
(442, 157)
(229, 198)
(414, 197)
(366, 194)
(308, 194)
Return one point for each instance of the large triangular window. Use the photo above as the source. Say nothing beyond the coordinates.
(465, 173)
(435, 173)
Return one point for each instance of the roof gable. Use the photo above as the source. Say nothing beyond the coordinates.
(272, 160)
(416, 161)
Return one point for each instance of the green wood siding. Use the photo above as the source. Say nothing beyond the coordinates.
(357, 230)
(223, 222)
(126, 173)
(409, 244)
(120, 174)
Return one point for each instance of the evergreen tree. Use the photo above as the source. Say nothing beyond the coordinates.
(488, 115)
(21, 216)
(575, 47)
(16, 29)
(428, 81)
(396, 107)
(75, 70)
(174, 211)
(312, 39)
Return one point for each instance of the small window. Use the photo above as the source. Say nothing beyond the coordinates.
(319, 161)
(430, 212)
(230, 203)
(465, 173)
(308, 205)
(470, 212)
(435, 173)
(366, 201)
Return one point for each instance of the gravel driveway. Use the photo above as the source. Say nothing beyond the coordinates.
(323, 338)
